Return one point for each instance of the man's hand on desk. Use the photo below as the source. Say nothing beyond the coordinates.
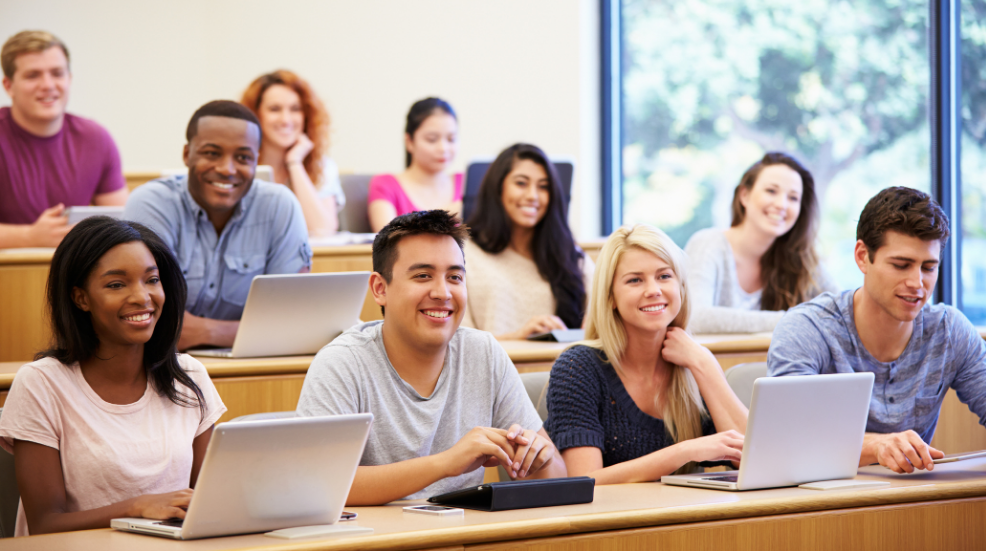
(901, 452)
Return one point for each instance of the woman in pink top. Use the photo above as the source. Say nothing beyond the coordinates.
(430, 143)
(111, 421)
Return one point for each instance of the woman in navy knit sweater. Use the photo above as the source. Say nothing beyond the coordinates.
(639, 398)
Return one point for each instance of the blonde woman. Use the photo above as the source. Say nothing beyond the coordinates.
(640, 398)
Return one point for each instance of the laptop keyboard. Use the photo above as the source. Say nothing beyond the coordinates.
(176, 522)
(727, 478)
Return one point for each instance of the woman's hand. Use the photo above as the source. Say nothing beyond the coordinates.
(535, 325)
(722, 446)
(680, 348)
(162, 506)
(299, 150)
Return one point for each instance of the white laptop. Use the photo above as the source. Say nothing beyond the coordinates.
(268, 475)
(295, 314)
(800, 429)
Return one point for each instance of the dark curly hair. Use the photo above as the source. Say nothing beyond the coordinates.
(903, 210)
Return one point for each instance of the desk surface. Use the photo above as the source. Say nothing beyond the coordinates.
(614, 508)
(519, 352)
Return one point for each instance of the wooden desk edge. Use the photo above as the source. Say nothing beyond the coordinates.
(622, 520)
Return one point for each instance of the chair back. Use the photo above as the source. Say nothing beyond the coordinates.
(536, 384)
(354, 217)
(740, 378)
(9, 496)
(266, 416)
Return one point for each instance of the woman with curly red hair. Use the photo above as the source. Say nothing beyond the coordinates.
(295, 128)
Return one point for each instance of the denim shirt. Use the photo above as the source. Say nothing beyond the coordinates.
(944, 351)
(266, 235)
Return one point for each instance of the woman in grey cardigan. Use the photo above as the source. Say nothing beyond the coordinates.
(742, 279)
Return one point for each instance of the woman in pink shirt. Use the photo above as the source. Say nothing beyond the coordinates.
(430, 143)
(111, 421)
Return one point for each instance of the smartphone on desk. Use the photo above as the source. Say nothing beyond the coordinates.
(440, 510)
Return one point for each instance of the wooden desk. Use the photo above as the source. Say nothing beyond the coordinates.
(24, 274)
(273, 384)
(943, 510)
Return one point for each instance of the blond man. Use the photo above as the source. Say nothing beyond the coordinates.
(49, 159)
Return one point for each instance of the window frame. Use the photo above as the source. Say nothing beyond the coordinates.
(944, 120)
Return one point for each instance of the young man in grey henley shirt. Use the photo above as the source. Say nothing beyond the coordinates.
(917, 351)
(445, 400)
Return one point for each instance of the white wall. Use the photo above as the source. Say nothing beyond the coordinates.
(514, 70)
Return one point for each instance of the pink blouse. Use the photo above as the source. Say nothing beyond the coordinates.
(386, 187)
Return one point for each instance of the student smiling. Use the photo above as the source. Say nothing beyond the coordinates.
(744, 277)
(110, 422)
(223, 226)
(640, 399)
(431, 140)
(528, 274)
(446, 400)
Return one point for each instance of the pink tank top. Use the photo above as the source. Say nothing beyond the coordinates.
(386, 187)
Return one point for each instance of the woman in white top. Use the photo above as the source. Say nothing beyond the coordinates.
(295, 138)
(743, 278)
(111, 421)
(525, 273)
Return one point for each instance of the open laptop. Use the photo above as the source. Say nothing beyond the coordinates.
(295, 314)
(267, 475)
(800, 429)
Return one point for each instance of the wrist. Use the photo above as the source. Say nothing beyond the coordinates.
(294, 162)
(135, 509)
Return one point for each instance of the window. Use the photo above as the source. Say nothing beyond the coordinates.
(973, 159)
(708, 86)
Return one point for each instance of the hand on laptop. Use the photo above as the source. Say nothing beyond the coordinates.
(480, 447)
(533, 452)
(161, 506)
(722, 446)
(901, 452)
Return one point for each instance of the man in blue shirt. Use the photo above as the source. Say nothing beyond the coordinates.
(916, 351)
(223, 226)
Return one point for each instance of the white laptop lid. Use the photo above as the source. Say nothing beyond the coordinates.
(295, 314)
(267, 475)
(805, 429)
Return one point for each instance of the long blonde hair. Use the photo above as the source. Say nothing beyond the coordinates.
(604, 329)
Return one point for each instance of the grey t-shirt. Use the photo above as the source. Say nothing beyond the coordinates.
(478, 387)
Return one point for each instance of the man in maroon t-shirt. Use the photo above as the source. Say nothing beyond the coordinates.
(49, 159)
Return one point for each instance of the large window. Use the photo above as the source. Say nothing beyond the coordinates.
(973, 114)
(708, 86)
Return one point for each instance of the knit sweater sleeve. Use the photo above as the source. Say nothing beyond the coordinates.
(575, 393)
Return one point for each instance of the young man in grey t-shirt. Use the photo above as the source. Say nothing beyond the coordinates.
(916, 350)
(446, 400)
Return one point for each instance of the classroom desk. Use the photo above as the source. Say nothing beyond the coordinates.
(24, 273)
(941, 510)
(273, 384)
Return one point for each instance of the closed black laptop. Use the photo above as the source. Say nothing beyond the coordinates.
(521, 494)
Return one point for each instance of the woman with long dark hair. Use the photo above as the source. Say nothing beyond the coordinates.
(743, 278)
(431, 138)
(110, 421)
(526, 274)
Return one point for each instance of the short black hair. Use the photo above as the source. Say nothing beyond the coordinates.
(902, 210)
(73, 335)
(221, 108)
(434, 222)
